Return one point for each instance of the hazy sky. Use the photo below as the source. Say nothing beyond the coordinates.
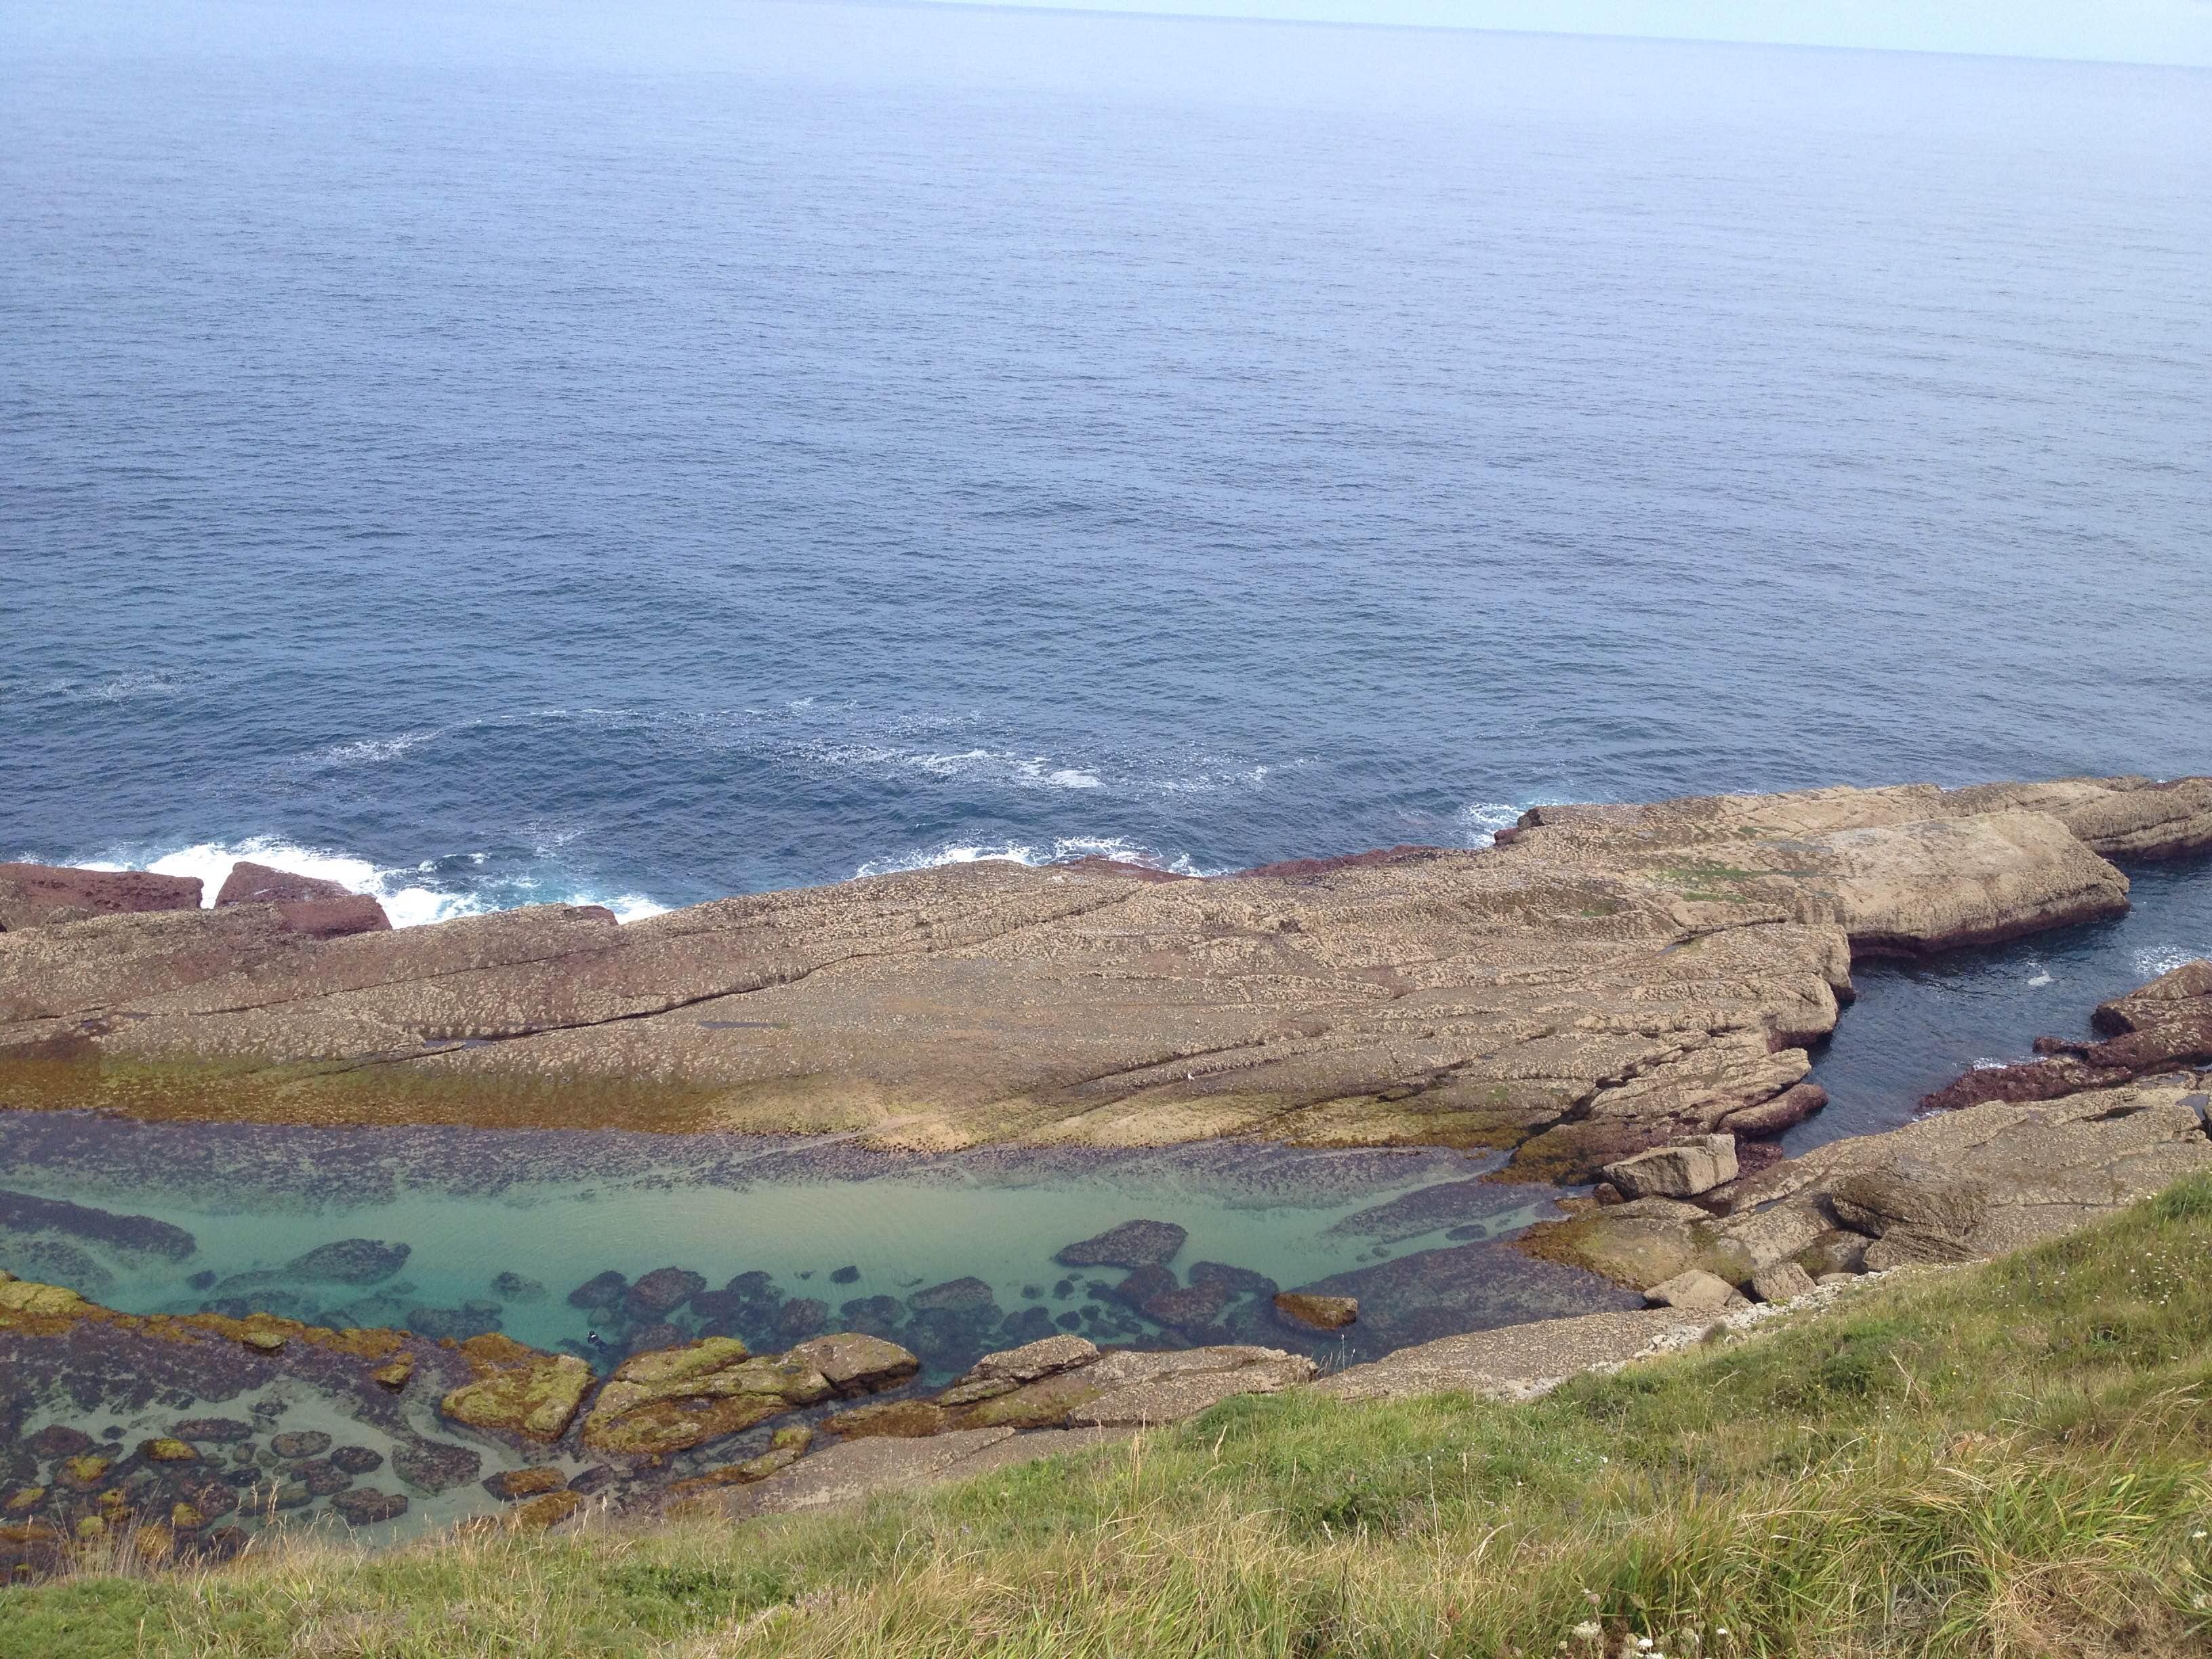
(2140, 31)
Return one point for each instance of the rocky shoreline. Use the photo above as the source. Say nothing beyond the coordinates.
(209, 1441)
(1605, 980)
(1616, 995)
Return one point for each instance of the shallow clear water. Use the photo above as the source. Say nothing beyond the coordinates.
(840, 1239)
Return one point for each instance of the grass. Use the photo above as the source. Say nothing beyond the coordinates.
(2006, 1460)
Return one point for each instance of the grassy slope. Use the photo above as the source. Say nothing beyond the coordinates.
(2010, 1460)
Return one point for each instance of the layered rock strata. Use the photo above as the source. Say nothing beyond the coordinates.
(2041, 1148)
(1607, 979)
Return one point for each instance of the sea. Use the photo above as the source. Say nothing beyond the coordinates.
(504, 451)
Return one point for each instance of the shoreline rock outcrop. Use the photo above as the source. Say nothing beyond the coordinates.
(1605, 979)
(2008, 1155)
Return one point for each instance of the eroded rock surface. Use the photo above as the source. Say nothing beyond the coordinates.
(1609, 978)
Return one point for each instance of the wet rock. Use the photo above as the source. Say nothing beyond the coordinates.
(845, 1276)
(955, 1296)
(596, 1479)
(878, 1315)
(511, 1484)
(1694, 1291)
(853, 1363)
(49, 896)
(2040, 1080)
(538, 1514)
(471, 1319)
(518, 1391)
(393, 1377)
(1035, 1324)
(218, 1430)
(322, 1477)
(1681, 1170)
(903, 1420)
(86, 1472)
(59, 1440)
(683, 1397)
(350, 1261)
(661, 1292)
(1133, 1244)
(22, 1212)
(434, 1465)
(1142, 1285)
(647, 1339)
(166, 1450)
(1320, 1313)
(801, 1317)
(365, 1506)
(302, 1442)
(356, 1460)
(602, 1291)
(512, 1286)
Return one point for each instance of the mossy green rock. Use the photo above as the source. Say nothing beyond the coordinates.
(661, 1426)
(537, 1399)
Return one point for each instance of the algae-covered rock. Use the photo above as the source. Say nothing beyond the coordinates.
(662, 1426)
(898, 1420)
(550, 1511)
(518, 1391)
(27, 1299)
(510, 1485)
(166, 1450)
(1320, 1313)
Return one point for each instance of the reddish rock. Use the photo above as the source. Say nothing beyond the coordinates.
(47, 895)
(2040, 1080)
(335, 918)
(259, 883)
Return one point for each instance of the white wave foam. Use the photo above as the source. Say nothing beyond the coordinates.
(2040, 976)
(1118, 848)
(2154, 960)
(370, 751)
(408, 902)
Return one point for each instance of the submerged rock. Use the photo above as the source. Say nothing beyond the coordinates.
(1320, 1313)
(601, 1290)
(350, 1261)
(1132, 1244)
(659, 1294)
(22, 1212)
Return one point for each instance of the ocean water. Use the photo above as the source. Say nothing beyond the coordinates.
(527, 451)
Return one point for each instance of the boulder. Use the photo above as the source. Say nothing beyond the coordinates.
(1875, 1201)
(1785, 1281)
(678, 1398)
(518, 1391)
(365, 1506)
(1033, 1360)
(1786, 1110)
(852, 1364)
(48, 895)
(1319, 1313)
(261, 884)
(1694, 1291)
(661, 1292)
(1133, 1244)
(1137, 1389)
(1681, 1170)
(350, 1261)
(510, 1486)
(601, 1290)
